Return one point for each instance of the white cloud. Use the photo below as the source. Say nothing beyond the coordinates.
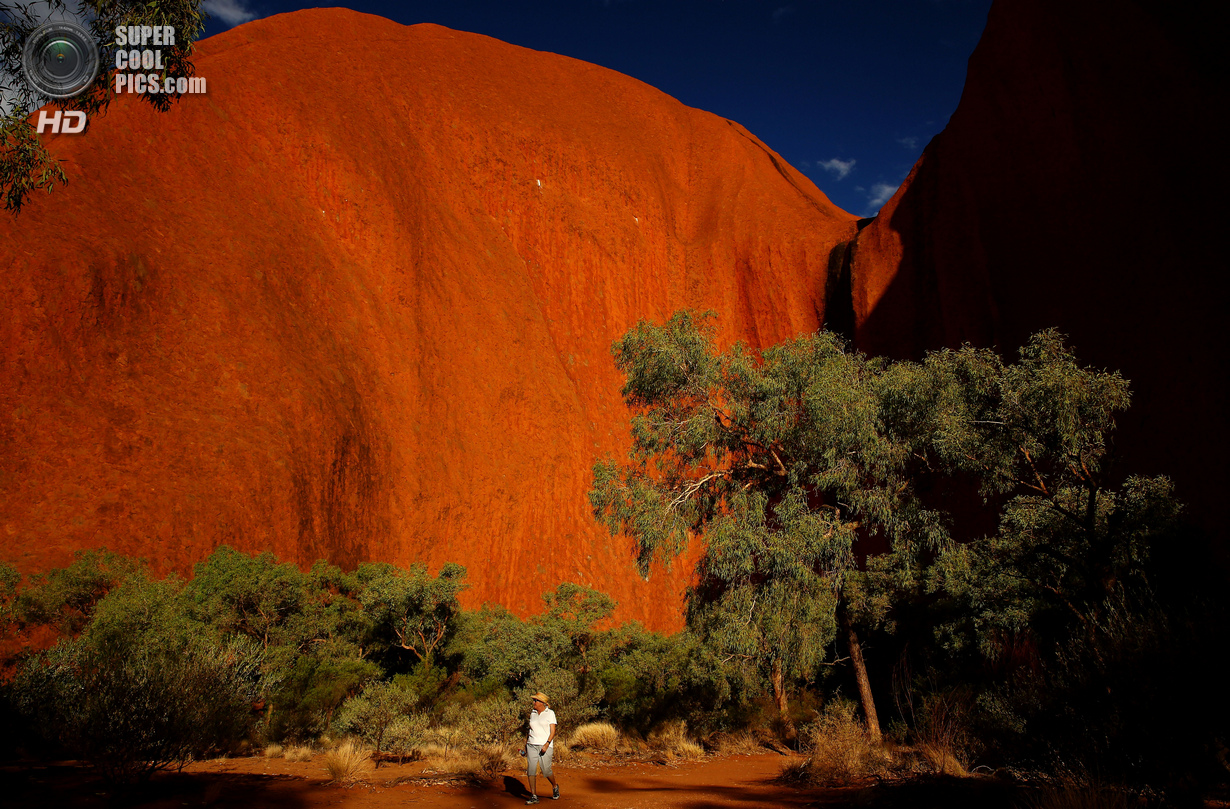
(880, 193)
(910, 143)
(840, 168)
(231, 12)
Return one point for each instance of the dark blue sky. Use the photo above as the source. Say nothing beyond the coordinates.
(848, 91)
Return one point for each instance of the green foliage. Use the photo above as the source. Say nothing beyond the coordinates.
(311, 628)
(574, 702)
(10, 580)
(1038, 425)
(409, 609)
(806, 416)
(370, 714)
(496, 647)
(305, 700)
(766, 591)
(495, 720)
(66, 597)
(251, 596)
(650, 678)
(140, 690)
(25, 164)
(783, 461)
(574, 610)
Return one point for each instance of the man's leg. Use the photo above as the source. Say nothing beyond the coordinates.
(549, 771)
(531, 767)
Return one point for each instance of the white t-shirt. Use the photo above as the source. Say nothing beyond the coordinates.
(540, 725)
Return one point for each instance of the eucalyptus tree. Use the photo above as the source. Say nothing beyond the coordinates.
(785, 461)
(1071, 538)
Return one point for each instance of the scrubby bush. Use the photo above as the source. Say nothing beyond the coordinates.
(574, 703)
(370, 715)
(66, 597)
(496, 720)
(310, 693)
(140, 690)
(406, 735)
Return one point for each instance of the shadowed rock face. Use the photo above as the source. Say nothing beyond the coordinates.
(1078, 185)
(362, 315)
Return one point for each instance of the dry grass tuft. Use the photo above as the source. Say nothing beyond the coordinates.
(743, 743)
(840, 751)
(273, 751)
(476, 767)
(345, 762)
(595, 736)
(299, 753)
(942, 760)
(672, 739)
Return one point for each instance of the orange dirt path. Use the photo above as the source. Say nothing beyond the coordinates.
(719, 781)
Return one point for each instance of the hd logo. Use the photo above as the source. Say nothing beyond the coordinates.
(66, 122)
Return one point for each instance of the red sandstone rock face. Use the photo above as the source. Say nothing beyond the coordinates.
(354, 315)
(1078, 185)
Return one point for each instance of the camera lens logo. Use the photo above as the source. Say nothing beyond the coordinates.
(60, 59)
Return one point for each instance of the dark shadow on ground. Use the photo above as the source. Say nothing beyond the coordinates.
(941, 793)
(514, 787)
(70, 786)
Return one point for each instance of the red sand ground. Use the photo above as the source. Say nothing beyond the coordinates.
(259, 783)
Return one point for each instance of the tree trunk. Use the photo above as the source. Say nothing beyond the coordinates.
(860, 674)
(779, 696)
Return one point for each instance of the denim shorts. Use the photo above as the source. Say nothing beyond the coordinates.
(532, 760)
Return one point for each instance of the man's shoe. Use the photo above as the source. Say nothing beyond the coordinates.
(533, 800)
(555, 794)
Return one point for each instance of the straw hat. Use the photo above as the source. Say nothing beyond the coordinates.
(541, 697)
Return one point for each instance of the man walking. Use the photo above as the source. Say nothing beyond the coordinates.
(540, 748)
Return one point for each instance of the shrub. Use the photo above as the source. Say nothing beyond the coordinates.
(574, 704)
(942, 731)
(449, 737)
(493, 721)
(486, 764)
(370, 714)
(141, 690)
(273, 751)
(406, 735)
(347, 761)
(299, 753)
(595, 736)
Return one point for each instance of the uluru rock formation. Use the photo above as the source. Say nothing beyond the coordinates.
(358, 315)
(367, 315)
(1079, 184)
